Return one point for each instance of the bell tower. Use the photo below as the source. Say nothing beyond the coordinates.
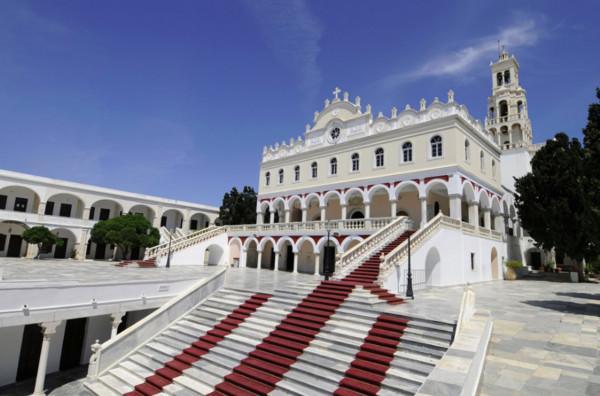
(507, 118)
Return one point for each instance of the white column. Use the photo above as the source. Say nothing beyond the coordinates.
(317, 262)
(393, 207)
(486, 218)
(344, 211)
(367, 210)
(423, 211)
(304, 215)
(259, 260)
(455, 207)
(272, 217)
(323, 213)
(259, 217)
(243, 257)
(86, 216)
(48, 328)
(287, 215)
(32, 250)
(295, 262)
(81, 245)
(116, 321)
(474, 213)
(42, 208)
(276, 267)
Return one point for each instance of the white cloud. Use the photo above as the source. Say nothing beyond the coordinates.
(523, 33)
(293, 34)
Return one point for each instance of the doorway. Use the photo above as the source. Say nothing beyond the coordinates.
(72, 347)
(60, 251)
(30, 352)
(289, 259)
(100, 251)
(536, 260)
(14, 246)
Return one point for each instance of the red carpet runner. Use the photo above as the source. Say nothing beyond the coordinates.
(367, 370)
(258, 373)
(174, 368)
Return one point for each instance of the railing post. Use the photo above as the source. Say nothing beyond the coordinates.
(409, 287)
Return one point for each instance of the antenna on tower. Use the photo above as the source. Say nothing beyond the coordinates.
(498, 47)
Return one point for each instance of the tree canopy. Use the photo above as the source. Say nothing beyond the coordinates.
(41, 236)
(126, 232)
(559, 200)
(238, 207)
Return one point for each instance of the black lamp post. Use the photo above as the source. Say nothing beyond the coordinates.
(169, 251)
(409, 286)
(328, 259)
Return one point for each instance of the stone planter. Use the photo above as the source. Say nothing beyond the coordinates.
(510, 274)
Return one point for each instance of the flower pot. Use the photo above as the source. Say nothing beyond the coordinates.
(510, 274)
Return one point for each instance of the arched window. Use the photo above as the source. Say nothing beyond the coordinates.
(333, 166)
(507, 77)
(267, 178)
(492, 113)
(520, 107)
(379, 157)
(493, 169)
(313, 170)
(355, 162)
(407, 152)
(482, 161)
(296, 173)
(436, 146)
(503, 108)
(280, 176)
(467, 150)
(499, 79)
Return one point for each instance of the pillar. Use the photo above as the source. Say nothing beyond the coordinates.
(317, 262)
(393, 207)
(259, 217)
(323, 213)
(243, 257)
(486, 218)
(116, 321)
(287, 215)
(272, 217)
(81, 245)
(455, 206)
(304, 214)
(42, 208)
(48, 329)
(32, 250)
(344, 211)
(423, 201)
(86, 216)
(259, 260)
(276, 265)
(367, 210)
(474, 213)
(295, 262)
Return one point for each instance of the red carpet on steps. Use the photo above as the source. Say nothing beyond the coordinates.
(174, 368)
(258, 373)
(367, 370)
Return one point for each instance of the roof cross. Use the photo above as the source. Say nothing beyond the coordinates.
(336, 93)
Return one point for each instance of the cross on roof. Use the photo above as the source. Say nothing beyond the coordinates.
(336, 93)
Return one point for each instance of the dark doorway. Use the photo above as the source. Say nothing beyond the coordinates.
(436, 208)
(123, 324)
(60, 252)
(20, 204)
(194, 224)
(72, 347)
(65, 210)
(100, 251)
(135, 253)
(289, 259)
(49, 208)
(272, 261)
(536, 260)
(14, 246)
(357, 215)
(30, 352)
(163, 221)
(104, 214)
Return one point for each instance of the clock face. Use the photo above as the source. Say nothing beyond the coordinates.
(335, 133)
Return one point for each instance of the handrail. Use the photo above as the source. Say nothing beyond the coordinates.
(320, 225)
(112, 351)
(185, 241)
(383, 236)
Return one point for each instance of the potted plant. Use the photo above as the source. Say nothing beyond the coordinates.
(511, 269)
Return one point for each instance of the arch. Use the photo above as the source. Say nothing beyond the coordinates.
(408, 202)
(375, 189)
(143, 210)
(64, 205)
(235, 251)
(495, 205)
(171, 219)
(329, 194)
(264, 241)
(379, 199)
(250, 250)
(199, 221)
(503, 106)
(104, 209)
(264, 206)
(279, 206)
(355, 200)
(313, 203)
(67, 250)
(306, 255)
(14, 245)
(352, 192)
(406, 186)
(214, 255)
(269, 249)
(333, 205)
(468, 191)
(432, 267)
(285, 250)
(484, 199)
(437, 198)
(333, 242)
(301, 241)
(494, 263)
(348, 242)
(323, 241)
(295, 206)
(20, 199)
(499, 78)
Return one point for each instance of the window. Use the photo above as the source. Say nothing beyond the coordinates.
(355, 162)
(507, 77)
(3, 201)
(379, 158)
(520, 107)
(20, 204)
(49, 208)
(313, 170)
(436, 146)
(92, 212)
(280, 176)
(333, 166)
(407, 152)
(65, 210)
(104, 214)
(503, 108)
(193, 224)
(492, 113)
(499, 79)
(163, 221)
(296, 173)
(482, 161)
(467, 150)
(472, 261)
(2, 242)
(267, 178)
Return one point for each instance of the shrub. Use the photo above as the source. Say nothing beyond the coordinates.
(514, 264)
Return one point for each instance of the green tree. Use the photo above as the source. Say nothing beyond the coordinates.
(41, 236)
(559, 200)
(238, 207)
(126, 232)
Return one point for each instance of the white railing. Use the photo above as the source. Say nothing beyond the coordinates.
(46, 220)
(371, 224)
(353, 257)
(112, 351)
(184, 241)
(400, 253)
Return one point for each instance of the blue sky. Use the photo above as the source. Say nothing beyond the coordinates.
(178, 98)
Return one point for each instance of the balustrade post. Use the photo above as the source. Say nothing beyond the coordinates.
(317, 263)
(295, 262)
(423, 201)
(259, 260)
(344, 211)
(276, 265)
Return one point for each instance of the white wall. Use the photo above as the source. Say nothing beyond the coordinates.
(194, 254)
(515, 163)
(10, 342)
(97, 328)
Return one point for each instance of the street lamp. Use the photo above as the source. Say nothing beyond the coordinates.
(409, 286)
(329, 254)
(169, 250)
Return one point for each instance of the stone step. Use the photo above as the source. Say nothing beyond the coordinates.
(100, 388)
(115, 384)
